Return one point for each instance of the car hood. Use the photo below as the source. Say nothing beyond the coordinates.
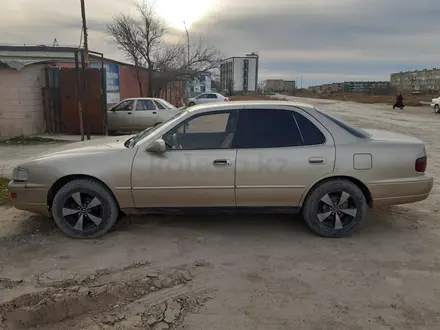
(89, 147)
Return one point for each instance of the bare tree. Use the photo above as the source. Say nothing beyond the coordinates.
(141, 38)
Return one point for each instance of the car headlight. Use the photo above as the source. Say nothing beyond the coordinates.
(20, 174)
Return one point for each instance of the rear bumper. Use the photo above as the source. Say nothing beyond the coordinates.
(402, 191)
(29, 199)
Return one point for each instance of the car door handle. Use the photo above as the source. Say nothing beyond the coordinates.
(222, 162)
(154, 112)
(129, 113)
(317, 160)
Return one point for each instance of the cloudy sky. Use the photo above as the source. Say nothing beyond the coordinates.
(316, 40)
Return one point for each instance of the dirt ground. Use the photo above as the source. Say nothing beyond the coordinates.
(256, 272)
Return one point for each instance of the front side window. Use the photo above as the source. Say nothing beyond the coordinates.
(202, 96)
(268, 128)
(212, 96)
(215, 130)
(143, 105)
(124, 106)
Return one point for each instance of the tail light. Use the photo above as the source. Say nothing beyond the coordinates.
(421, 164)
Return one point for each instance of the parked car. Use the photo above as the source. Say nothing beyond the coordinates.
(435, 104)
(139, 113)
(261, 156)
(206, 98)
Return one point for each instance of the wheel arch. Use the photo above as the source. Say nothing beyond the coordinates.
(357, 182)
(57, 185)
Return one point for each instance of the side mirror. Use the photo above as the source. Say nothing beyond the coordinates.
(157, 146)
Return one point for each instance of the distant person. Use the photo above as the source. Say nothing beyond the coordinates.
(399, 102)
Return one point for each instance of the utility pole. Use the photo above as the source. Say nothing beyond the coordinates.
(85, 63)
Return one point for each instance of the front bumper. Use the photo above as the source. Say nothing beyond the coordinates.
(393, 192)
(31, 199)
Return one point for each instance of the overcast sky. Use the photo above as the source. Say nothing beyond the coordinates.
(318, 40)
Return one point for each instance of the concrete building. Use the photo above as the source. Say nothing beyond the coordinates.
(274, 85)
(239, 74)
(289, 86)
(420, 81)
(200, 84)
(352, 87)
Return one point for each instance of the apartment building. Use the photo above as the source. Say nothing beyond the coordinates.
(352, 87)
(419, 81)
(239, 74)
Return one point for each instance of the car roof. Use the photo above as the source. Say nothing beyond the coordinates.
(143, 98)
(226, 105)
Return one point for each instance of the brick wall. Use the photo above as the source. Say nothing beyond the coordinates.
(21, 101)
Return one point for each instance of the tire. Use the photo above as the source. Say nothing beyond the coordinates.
(97, 219)
(191, 104)
(157, 124)
(351, 213)
(436, 108)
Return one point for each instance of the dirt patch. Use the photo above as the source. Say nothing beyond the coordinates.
(409, 100)
(101, 293)
(4, 195)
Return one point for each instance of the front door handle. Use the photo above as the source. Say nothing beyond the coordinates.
(154, 112)
(222, 162)
(317, 160)
(129, 113)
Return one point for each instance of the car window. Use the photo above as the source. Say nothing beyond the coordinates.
(311, 134)
(353, 131)
(212, 96)
(166, 104)
(202, 96)
(143, 105)
(205, 131)
(124, 106)
(268, 128)
(159, 105)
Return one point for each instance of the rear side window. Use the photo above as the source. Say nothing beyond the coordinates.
(268, 128)
(310, 133)
(353, 131)
(159, 105)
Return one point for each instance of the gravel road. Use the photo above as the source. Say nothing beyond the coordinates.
(234, 272)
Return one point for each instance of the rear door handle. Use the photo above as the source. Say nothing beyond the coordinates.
(317, 160)
(154, 112)
(222, 162)
(129, 113)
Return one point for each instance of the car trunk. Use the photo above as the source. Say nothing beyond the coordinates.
(387, 136)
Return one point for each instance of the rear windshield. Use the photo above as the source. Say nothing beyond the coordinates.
(359, 133)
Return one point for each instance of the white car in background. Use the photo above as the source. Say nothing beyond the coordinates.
(206, 98)
(136, 114)
(435, 103)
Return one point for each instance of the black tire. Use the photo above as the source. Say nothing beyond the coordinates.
(96, 220)
(191, 104)
(436, 108)
(344, 219)
(157, 124)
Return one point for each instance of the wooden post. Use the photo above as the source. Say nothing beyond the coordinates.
(79, 95)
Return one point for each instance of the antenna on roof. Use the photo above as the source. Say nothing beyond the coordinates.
(55, 43)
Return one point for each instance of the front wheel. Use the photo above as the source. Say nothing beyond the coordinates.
(437, 108)
(335, 208)
(84, 208)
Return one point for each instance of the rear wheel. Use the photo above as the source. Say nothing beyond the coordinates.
(335, 208)
(437, 108)
(191, 104)
(84, 208)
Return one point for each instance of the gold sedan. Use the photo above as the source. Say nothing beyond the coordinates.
(246, 156)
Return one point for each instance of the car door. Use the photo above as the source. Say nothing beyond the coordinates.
(202, 99)
(120, 117)
(164, 113)
(280, 153)
(212, 98)
(196, 170)
(145, 115)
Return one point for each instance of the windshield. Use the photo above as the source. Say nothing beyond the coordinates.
(352, 130)
(131, 142)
